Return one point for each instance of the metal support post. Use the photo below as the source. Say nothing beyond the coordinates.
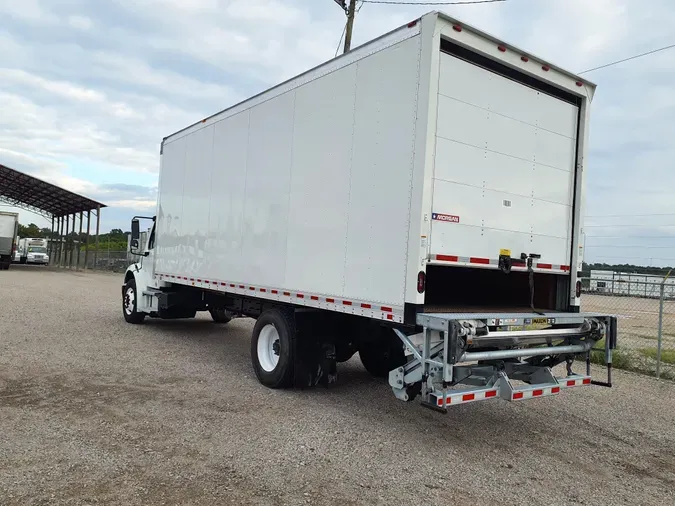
(86, 247)
(50, 249)
(660, 335)
(98, 229)
(65, 243)
(79, 240)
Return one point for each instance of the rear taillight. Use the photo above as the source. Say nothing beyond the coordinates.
(421, 281)
(578, 290)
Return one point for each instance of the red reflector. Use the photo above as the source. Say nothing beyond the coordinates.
(231, 285)
(579, 83)
(287, 294)
(555, 390)
(346, 303)
(263, 289)
(330, 300)
(299, 296)
(251, 288)
(421, 281)
(571, 383)
(501, 48)
(537, 393)
(447, 258)
(587, 381)
(390, 317)
(412, 23)
(545, 68)
(517, 395)
(484, 261)
(578, 290)
(468, 397)
(199, 281)
(525, 59)
(314, 297)
(223, 284)
(457, 28)
(490, 393)
(386, 309)
(544, 266)
(275, 291)
(564, 267)
(366, 306)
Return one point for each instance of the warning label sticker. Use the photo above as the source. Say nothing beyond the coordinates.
(445, 217)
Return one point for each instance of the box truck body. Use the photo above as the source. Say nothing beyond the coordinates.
(33, 251)
(9, 223)
(435, 170)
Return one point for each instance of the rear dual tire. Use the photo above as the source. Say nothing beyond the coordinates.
(273, 347)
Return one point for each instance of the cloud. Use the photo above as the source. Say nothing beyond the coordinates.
(89, 89)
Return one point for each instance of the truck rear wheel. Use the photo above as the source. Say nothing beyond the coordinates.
(381, 355)
(273, 348)
(130, 303)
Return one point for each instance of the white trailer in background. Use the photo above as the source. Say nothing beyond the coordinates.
(417, 200)
(33, 251)
(9, 223)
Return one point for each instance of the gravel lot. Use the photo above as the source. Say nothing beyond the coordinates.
(95, 411)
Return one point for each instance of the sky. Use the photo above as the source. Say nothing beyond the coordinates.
(89, 88)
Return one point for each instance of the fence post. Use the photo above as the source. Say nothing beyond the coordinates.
(660, 336)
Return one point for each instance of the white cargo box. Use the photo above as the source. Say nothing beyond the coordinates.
(434, 145)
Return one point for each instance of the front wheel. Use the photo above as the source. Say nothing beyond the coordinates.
(130, 303)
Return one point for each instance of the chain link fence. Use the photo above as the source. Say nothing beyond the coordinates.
(645, 308)
(111, 261)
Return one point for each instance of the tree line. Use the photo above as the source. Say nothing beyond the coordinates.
(115, 240)
(628, 268)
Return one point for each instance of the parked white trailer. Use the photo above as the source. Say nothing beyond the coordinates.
(417, 200)
(9, 223)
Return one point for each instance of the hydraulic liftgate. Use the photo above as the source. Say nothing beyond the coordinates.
(498, 355)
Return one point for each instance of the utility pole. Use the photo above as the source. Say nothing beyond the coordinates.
(351, 12)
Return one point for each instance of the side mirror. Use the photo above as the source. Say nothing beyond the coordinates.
(135, 236)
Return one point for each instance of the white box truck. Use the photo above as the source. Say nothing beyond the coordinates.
(417, 200)
(9, 223)
(33, 251)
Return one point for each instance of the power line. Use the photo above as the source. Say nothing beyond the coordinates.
(630, 237)
(337, 50)
(636, 225)
(466, 2)
(629, 215)
(628, 246)
(629, 58)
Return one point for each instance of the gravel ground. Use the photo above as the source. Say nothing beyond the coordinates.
(95, 411)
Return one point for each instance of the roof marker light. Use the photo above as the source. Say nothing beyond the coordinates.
(579, 83)
(525, 59)
(457, 28)
(412, 23)
(501, 48)
(545, 68)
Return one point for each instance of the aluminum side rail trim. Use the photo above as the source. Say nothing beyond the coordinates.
(525, 352)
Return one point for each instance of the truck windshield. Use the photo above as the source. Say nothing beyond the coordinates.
(37, 249)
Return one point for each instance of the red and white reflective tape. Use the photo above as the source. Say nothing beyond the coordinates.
(452, 399)
(574, 381)
(477, 261)
(362, 308)
(529, 393)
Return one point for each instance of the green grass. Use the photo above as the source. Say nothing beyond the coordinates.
(620, 359)
(667, 356)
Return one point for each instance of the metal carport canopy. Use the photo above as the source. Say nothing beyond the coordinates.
(33, 194)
